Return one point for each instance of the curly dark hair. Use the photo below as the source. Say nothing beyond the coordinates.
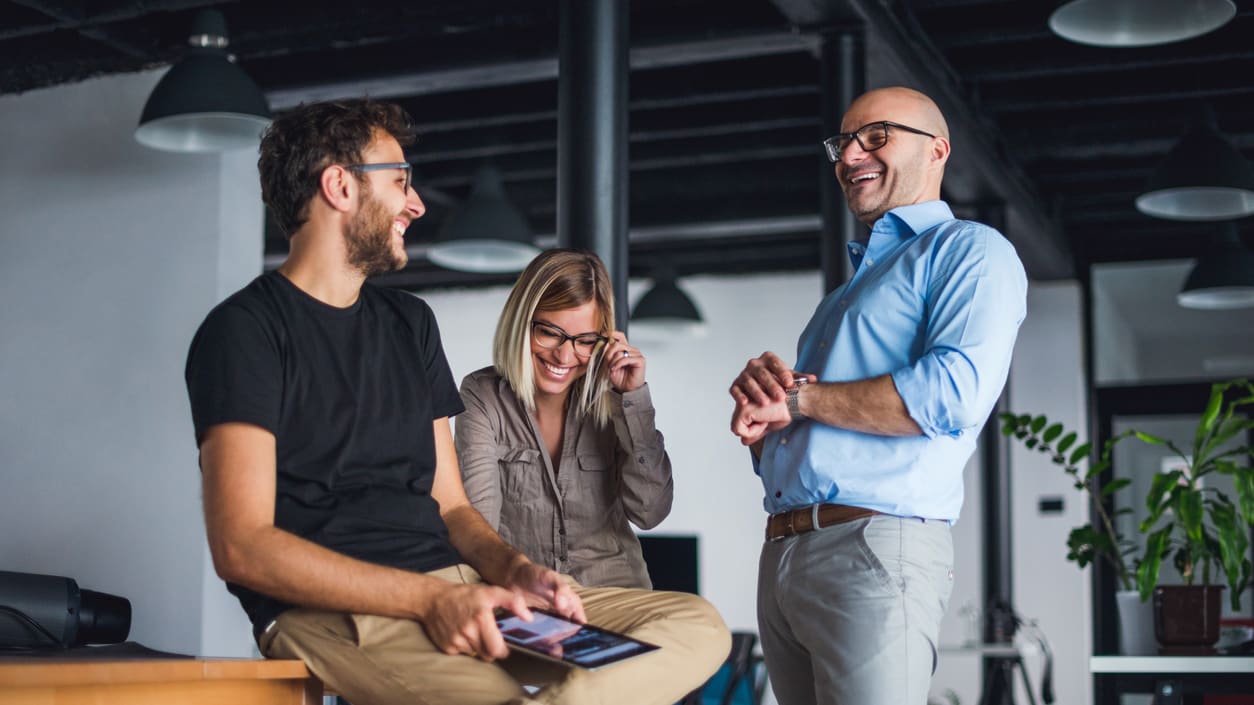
(303, 141)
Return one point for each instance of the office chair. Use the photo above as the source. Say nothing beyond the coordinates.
(741, 680)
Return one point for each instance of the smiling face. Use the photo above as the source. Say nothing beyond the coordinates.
(558, 368)
(907, 169)
(375, 234)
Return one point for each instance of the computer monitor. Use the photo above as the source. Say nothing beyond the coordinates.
(672, 562)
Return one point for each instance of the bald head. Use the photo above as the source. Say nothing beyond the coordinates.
(897, 104)
(905, 162)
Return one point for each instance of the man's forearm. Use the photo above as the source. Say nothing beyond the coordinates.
(867, 406)
(282, 565)
(481, 547)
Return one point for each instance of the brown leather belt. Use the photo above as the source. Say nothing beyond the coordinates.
(816, 516)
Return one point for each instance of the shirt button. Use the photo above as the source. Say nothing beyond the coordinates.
(778, 494)
(640, 460)
(783, 441)
(870, 261)
(626, 404)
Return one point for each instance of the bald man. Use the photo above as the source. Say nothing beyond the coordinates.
(861, 443)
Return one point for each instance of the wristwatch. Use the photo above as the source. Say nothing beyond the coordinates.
(791, 394)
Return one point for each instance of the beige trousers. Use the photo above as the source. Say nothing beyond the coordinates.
(373, 660)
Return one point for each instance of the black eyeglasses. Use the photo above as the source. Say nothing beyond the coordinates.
(403, 166)
(870, 136)
(550, 337)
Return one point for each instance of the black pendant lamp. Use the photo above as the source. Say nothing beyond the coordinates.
(1204, 177)
(486, 234)
(1138, 23)
(666, 309)
(204, 103)
(1223, 277)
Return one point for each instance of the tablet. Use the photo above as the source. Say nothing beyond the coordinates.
(555, 638)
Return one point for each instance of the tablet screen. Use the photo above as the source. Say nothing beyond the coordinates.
(556, 638)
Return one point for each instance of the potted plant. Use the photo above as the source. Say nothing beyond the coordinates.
(1200, 528)
(1101, 539)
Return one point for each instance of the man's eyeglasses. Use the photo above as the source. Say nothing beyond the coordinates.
(403, 166)
(870, 136)
(550, 337)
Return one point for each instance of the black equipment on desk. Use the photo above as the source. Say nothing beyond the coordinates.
(49, 611)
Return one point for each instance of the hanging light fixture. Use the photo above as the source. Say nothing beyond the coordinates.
(204, 103)
(666, 309)
(1223, 277)
(486, 234)
(1138, 23)
(1204, 177)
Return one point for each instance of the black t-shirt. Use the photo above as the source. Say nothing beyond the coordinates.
(350, 396)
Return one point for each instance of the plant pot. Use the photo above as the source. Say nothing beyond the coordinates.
(1136, 624)
(1186, 618)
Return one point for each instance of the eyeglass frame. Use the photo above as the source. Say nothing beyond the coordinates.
(601, 339)
(834, 149)
(383, 166)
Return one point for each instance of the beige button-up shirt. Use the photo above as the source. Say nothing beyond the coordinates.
(573, 518)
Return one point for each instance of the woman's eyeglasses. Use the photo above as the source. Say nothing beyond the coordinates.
(550, 337)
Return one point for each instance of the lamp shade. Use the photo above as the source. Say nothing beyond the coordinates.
(666, 309)
(486, 234)
(1203, 177)
(1138, 23)
(1223, 277)
(204, 103)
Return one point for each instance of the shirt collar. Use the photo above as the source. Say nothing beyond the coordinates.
(903, 222)
(913, 219)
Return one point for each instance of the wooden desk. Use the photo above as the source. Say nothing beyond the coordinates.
(157, 682)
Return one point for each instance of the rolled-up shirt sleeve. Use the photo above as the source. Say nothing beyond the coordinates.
(976, 299)
(647, 488)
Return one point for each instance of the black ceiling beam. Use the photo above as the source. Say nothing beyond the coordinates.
(982, 170)
(541, 68)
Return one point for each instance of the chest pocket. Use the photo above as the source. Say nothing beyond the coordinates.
(596, 486)
(521, 472)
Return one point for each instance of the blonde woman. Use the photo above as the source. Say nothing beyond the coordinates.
(557, 445)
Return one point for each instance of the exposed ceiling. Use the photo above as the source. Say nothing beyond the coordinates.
(725, 112)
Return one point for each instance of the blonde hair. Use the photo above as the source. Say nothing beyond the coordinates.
(556, 280)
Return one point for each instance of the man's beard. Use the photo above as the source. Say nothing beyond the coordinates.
(369, 239)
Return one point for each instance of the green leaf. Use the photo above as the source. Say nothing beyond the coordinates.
(1154, 440)
(1115, 485)
(1081, 451)
(1208, 417)
(1052, 432)
(1188, 506)
(1030, 443)
(1038, 423)
(1157, 498)
(1243, 480)
(1066, 442)
(1147, 570)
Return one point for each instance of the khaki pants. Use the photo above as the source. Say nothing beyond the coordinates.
(373, 660)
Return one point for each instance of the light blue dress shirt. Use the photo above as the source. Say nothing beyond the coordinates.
(935, 302)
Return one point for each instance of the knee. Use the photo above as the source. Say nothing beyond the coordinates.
(711, 639)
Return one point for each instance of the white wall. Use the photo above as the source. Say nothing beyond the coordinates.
(1047, 378)
(110, 255)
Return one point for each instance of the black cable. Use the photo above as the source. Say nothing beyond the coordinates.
(34, 625)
